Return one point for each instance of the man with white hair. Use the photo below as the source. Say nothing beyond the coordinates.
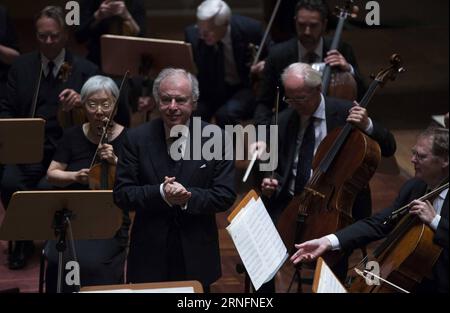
(302, 126)
(220, 42)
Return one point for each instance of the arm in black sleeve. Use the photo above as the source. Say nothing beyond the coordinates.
(129, 192)
(385, 139)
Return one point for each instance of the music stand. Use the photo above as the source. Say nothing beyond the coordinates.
(147, 287)
(44, 215)
(17, 133)
(123, 53)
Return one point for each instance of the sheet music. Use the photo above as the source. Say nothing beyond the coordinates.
(258, 243)
(328, 282)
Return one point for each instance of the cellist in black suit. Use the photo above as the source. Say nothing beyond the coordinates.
(430, 160)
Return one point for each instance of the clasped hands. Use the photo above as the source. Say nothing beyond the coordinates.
(175, 193)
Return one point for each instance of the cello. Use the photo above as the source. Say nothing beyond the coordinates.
(336, 83)
(404, 258)
(344, 163)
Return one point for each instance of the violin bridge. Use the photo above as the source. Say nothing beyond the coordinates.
(315, 193)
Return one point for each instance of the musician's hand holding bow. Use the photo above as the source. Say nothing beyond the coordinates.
(424, 210)
(269, 186)
(106, 152)
(69, 99)
(310, 250)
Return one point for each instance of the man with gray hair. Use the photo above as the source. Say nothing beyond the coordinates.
(220, 42)
(302, 126)
(174, 235)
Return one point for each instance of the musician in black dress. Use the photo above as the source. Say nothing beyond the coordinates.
(101, 261)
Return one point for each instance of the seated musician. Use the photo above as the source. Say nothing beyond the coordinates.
(220, 46)
(302, 126)
(46, 65)
(430, 160)
(308, 46)
(101, 261)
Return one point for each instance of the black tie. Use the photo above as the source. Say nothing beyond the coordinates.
(305, 157)
(50, 67)
(309, 58)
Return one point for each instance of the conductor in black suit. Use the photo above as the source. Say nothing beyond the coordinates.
(430, 160)
(220, 43)
(310, 46)
(174, 235)
(54, 92)
(302, 127)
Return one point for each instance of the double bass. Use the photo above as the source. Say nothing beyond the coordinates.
(336, 83)
(344, 163)
(404, 258)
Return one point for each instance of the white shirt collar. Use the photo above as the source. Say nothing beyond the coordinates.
(227, 38)
(318, 51)
(58, 61)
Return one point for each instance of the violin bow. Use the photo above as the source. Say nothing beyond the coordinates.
(108, 122)
(266, 33)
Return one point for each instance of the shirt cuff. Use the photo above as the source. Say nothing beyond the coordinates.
(352, 70)
(163, 195)
(435, 222)
(369, 129)
(335, 245)
(184, 207)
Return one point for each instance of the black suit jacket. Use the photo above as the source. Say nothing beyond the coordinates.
(372, 228)
(336, 112)
(281, 56)
(143, 163)
(23, 77)
(244, 30)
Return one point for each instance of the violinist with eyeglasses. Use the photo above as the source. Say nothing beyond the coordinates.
(430, 160)
(101, 261)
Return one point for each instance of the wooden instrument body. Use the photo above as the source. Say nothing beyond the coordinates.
(325, 205)
(405, 261)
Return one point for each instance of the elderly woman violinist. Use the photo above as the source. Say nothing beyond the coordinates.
(101, 261)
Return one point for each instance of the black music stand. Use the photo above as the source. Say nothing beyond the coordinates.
(86, 214)
(17, 133)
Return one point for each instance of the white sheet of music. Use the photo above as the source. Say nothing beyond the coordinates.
(258, 243)
(328, 282)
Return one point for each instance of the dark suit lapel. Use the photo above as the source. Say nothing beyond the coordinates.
(291, 133)
(158, 154)
(331, 116)
(33, 80)
(188, 167)
(238, 50)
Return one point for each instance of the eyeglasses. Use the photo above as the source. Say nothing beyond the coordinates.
(295, 100)
(167, 100)
(419, 156)
(94, 106)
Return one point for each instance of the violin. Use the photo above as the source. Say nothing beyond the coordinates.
(336, 83)
(76, 115)
(101, 173)
(344, 163)
(404, 258)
